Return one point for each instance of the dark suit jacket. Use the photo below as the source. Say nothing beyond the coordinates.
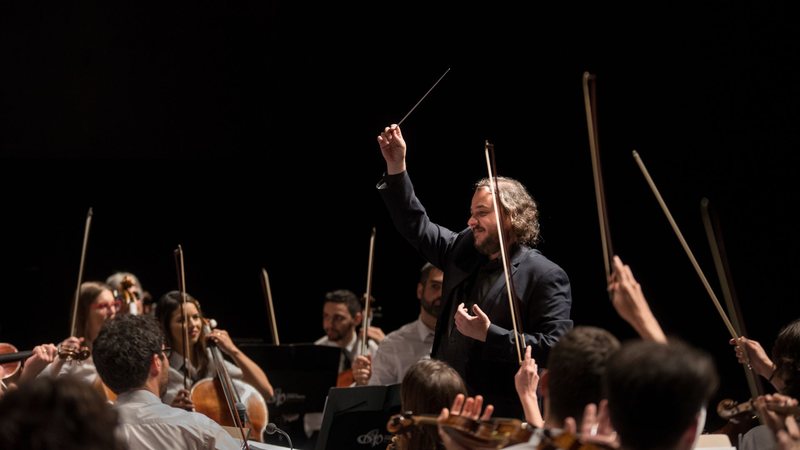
(543, 289)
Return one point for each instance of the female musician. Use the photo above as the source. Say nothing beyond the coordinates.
(96, 305)
(199, 362)
(783, 371)
(428, 386)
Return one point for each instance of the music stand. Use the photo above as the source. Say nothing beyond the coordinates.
(300, 374)
(356, 417)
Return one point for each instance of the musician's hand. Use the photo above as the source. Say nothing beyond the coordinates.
(756, 356)
(362, 370)
(629, 302)
(183, 400)
(789, 439)
(469, 408)
(476, 327)
(595, 426)
(527, 378)
(375, 333)
(223, 341)
(774, 420)
(42, 356)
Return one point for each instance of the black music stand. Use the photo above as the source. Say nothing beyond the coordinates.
(300, 374)
(356, 417)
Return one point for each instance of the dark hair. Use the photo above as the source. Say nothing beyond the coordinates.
(347, 297)
(670, 382)
(428, 386)
(425, 272)
(168, 304)
(61, 413)
(123, 351)
(520, 206)
(90, 290)
(576, 366)
(786, 356)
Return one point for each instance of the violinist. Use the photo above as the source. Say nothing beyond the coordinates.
(783, 371)
(573, 380)
(657, 394)
(133, 361)
(200, 364)
(475, 334)
(428, 386)
(96, 305)
(341, 314)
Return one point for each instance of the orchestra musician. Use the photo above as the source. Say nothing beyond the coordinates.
(133, 361)
(198, 358)
(96, 305)
(341, 314)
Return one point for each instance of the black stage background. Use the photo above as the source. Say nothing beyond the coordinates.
(208, 124)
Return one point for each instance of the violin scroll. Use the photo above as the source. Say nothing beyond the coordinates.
(74, 354)
(129, 296)
(734, 411)
(474, 434)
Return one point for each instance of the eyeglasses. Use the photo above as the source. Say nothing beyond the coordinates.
(167, 351)
(108, 305)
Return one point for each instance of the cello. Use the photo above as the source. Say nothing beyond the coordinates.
(219, 397)
(227, 401)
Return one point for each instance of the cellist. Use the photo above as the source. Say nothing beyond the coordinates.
(200, 365)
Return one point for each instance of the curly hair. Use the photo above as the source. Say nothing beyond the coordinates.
(123, 351)
(520, 207)
(62, 413)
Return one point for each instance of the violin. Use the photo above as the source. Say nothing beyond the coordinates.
(734, 411)
(11, 358)
(473, 434)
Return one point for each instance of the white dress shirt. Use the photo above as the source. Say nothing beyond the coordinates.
(399, 350)
(147, 423)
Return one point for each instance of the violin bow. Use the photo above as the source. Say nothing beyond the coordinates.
(499, 217)
(590, 104)
(184, 325)
(270, 307)
(685, 246)
(367, 295)
(717, 244)
(72, 330)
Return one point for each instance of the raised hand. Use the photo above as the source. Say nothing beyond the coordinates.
(393, 149)
(527, 381)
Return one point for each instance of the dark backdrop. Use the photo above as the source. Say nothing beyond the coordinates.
(245, 131)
